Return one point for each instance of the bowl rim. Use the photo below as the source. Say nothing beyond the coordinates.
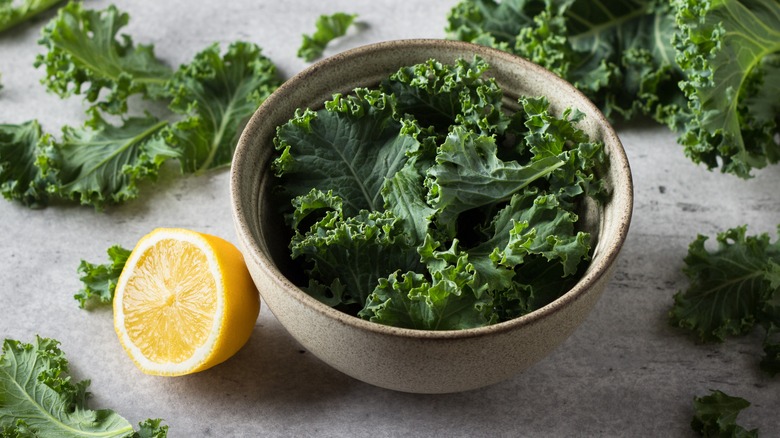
(596, 271)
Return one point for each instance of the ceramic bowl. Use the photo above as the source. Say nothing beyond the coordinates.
(410, 360)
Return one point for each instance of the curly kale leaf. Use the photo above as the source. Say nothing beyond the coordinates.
(217, 94)
(15, 12)
(100, 280)
(468, 174)
(151, 428)
(618, 52)
(732, 288)
(730, 50)
(351, 147)
(715, 415)
(100, 163)
(38, 398)
(20, 177)
(328, 28)
(452, 299)
(728, 286)
(440, 95)
(405, 195)
(348, 255)
(84, 51)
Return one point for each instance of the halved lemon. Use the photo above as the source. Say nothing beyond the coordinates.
(184, 302)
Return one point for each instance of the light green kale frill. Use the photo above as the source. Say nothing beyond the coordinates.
(99, 281)
(328, 28)
(38, 398)
(14, 12)
(423, 203)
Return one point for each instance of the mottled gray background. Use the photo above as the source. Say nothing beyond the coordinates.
(625, 372)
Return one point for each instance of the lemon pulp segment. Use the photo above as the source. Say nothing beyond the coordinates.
(170, 303)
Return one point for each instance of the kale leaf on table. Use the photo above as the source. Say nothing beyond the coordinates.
(422, 203)
(38, 398)
(100, 163)
(733, 287)
(216, 93)
(730, 52)
(87, 55)
(715, 415)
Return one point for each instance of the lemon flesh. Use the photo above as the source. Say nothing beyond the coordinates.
(184, 302)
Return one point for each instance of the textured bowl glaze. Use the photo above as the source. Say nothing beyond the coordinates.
(404, 359)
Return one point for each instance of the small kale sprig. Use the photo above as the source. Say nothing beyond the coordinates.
(328, 28)
(99, 281)
(715, 415)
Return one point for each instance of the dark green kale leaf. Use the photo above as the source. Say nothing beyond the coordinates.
(468, 174)
(405, 195)
(99, 281)
(715, 415)
(20, 176)
(217, 94)
(85, 50)
(351, 147)
(452, 299)
(732, 288)
(100, 163)
(37, 398)
(348, 255)
(328, 28)
(730, 51)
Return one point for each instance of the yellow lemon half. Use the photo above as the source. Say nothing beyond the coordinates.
(184, 302)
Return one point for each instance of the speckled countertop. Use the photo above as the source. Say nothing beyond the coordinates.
(624, 372)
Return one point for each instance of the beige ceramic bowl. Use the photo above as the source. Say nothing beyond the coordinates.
(405, 359)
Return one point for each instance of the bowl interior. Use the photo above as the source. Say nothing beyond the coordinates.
(261, 231)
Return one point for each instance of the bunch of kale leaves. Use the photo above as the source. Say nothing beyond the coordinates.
(426, 204)
(709, 69)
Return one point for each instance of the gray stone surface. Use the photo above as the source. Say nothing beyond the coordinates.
(625, 372)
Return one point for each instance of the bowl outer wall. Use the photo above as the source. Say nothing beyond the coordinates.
(404, 359)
